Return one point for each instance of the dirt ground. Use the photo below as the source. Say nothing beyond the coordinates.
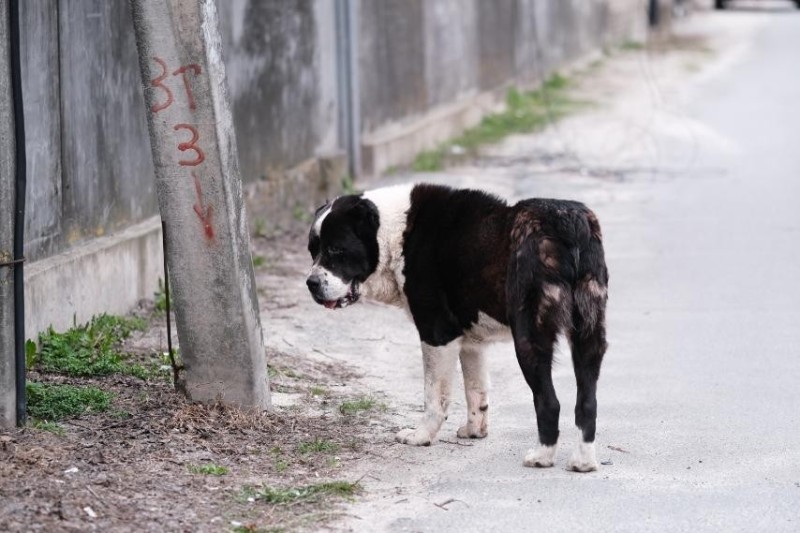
(130, 468)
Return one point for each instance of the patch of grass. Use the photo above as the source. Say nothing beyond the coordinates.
(209, 470)
(30, 353)
(359, 405)
(259, 261)
(309, 493)
(525, 112)
(46, 425)
(253, 528)
(632, 45)
(318, 446)
(260, 227)
(301, 214)
(160, 297)
(348, 187)
(283, 371)
(120, 414)
(394, 169)
(429, 160)
(90, 349)
(281, 465)
(56, 402)
(316, 390)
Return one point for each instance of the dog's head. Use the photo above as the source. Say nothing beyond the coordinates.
(343, 243)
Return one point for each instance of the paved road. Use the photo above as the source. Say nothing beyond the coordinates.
(701, 386)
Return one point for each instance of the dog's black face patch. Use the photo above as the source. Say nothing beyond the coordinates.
(343, 243)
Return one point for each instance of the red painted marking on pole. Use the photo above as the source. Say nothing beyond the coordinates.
(190, 146)
(203, 213)
(157, 83)
(194, 67)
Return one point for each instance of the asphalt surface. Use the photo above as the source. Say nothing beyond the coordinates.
(700, 393)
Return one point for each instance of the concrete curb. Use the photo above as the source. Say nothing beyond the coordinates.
(105, 275)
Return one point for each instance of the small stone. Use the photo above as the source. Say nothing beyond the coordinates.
(608, 462)
(88, 510)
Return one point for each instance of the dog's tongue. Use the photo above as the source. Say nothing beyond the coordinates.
(330, 305)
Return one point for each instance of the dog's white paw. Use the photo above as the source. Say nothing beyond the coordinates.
(414, 437)
(540, 457)
(471, 431)
(583, 458)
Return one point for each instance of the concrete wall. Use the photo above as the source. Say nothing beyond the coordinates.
(280, 59)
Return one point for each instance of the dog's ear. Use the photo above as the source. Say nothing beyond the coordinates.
(366, 222)
(321, 208)
(364, 213)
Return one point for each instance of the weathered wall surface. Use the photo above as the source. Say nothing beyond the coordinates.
(280, 60)
(415, 55)
(89, 160)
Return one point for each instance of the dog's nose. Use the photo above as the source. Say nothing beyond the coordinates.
(313, 283)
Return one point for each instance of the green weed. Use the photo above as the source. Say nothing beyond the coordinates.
(259, 261)
(30, 353)
(318, 446)
(56, 402)
(309, 493)
(301, 214)
(316, 390)
(91, 349)
(46, 425)
(348, 186)
(260, 227)
(160, 297)
(209, 470)
(280, 464)
(253, 528)
(430, 160)
(632, 45)
(365, 403)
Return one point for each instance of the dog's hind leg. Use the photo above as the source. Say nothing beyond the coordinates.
(588, 343)
(476, 384)
(534, 341)
(439, 363)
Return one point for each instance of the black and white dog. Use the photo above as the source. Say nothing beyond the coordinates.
(469, 269)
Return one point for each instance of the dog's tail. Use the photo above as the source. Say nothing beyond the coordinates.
(590, 292)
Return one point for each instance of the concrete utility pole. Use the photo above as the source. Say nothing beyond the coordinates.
(8, 391)
(200, 198)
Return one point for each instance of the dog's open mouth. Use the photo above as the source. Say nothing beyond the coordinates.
(350, 298)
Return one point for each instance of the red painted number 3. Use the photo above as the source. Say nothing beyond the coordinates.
(199, 155)
(159, 84)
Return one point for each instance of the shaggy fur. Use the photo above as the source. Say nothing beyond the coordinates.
(470, 268)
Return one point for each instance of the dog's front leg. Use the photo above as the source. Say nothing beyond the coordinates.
(476, 383)
(439, 363)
